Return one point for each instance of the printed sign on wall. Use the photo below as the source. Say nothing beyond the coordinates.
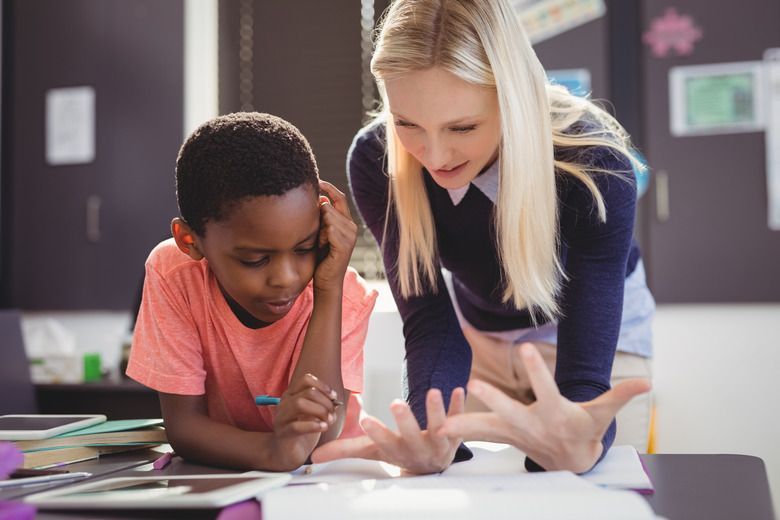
(716, 99)
(70, 125)
(543, 19)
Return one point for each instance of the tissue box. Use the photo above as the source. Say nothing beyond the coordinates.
(65, 368)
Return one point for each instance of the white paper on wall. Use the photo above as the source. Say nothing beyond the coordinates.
(70, 125)
(772, 79)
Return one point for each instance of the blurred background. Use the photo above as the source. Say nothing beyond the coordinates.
(97, 96)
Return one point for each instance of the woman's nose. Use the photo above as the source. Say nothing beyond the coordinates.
(437, 154)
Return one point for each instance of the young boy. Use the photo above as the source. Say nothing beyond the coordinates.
(253, 296)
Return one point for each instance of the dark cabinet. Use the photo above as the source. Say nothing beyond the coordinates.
(75, 236)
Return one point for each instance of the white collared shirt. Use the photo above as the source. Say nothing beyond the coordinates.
(487, 183)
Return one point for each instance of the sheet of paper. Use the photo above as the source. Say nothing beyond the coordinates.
(70, 125)
(621, 468)
(772, 136)
(547, 495)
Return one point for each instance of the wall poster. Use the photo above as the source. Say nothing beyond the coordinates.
(720, 98)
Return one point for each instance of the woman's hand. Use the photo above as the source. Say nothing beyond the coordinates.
(337, 237)
(556, 433)
(414, 450)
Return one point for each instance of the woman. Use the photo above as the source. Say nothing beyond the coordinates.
(504, 209)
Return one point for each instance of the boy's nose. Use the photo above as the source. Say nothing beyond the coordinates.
(283, 275)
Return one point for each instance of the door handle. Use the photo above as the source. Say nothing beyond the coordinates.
(662, 196)
(93, 218)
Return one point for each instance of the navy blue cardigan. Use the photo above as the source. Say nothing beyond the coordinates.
(596, 256)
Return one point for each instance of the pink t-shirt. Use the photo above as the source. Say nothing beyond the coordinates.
(187, 341)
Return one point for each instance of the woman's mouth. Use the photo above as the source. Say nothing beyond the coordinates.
(449, 173)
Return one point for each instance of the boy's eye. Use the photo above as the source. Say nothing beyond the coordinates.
(305, 250)
(254, 263)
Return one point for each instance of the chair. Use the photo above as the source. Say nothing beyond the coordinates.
(17, 392)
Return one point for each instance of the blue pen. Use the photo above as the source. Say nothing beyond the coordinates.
(266, 400)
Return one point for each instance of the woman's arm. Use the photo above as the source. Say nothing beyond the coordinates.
(437, 353)
(592, 297)
(438, 358)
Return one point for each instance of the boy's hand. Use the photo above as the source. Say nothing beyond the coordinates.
(338, 234)
(304, 412)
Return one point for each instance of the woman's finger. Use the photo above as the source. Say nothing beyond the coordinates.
(408, 429)
(495, 399)
(483, 426)
(457, 402)
(434, 408)
(542, 381)
(357, 447)
(604, 408)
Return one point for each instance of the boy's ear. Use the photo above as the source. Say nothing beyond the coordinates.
(185, 238)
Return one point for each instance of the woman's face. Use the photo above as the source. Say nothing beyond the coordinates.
(451, 126)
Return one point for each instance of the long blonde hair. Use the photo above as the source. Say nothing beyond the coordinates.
(482, 42)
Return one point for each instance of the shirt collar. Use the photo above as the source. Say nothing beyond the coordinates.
(486, 182)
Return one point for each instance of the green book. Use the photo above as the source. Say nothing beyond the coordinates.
(109, 433)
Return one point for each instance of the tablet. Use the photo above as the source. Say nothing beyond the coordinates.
(43, 426)
(158, 492)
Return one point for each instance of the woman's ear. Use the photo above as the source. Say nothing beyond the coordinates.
(185, 238)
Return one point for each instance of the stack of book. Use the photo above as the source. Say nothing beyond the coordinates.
(92, 442)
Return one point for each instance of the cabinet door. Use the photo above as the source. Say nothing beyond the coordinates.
(80, 233)
(714, 244)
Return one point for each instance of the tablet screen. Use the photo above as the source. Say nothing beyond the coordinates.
(42, 426)
(193, 491)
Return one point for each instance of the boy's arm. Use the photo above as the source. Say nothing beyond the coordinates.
(321, 350)
(299, 420)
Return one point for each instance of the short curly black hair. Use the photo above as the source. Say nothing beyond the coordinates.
(231, 157)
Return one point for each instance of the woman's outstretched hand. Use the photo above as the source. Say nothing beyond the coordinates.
(414, 450)
(556, 433)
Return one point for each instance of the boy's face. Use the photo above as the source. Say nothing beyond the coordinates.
(264, 254)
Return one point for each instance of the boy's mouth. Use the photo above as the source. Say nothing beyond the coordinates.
(280, 306)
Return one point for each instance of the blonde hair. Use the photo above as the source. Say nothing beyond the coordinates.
(482, 42)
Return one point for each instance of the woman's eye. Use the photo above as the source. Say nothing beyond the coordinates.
(464, 129)
(404, 124)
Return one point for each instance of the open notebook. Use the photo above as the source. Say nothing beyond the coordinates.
(620, 469)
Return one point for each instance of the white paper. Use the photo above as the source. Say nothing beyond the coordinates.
(493, 484)
(546, 495)
(772, 80)
(70, 125)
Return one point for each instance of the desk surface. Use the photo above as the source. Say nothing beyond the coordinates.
(716, 487)
(709, 486)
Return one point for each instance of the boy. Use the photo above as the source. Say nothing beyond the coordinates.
(247, 298)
